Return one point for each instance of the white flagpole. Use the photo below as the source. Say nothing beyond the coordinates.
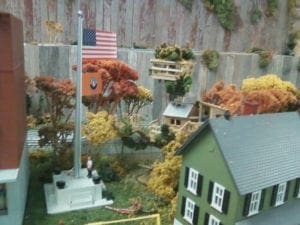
(77, 152)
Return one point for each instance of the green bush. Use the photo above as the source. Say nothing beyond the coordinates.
(225, 11)
(210, 58)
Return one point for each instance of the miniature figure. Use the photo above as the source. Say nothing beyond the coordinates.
(89, 166)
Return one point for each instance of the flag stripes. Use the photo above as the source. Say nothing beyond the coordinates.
(99, 44)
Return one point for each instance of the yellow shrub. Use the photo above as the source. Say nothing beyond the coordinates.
(266, 82)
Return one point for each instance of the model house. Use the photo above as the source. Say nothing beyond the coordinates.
(241, 171)
(14, 174)
(177, 115)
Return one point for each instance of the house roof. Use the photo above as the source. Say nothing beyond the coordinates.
(287, 214)
(181, 111)
(260, 150)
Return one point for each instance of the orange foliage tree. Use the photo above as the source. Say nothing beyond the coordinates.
(117, 81)
(59, 95)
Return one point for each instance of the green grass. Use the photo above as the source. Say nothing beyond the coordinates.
(124, 190)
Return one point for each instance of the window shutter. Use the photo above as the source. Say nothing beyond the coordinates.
(210, 191)
(247, 204)
(262, 199)
(274, 195)
(183, 206)
(186, 176)
(196, 215)
(206, 219)
(296, 191)
(199, 184)
(226, 202)
(287, 190)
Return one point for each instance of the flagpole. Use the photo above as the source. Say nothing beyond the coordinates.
(77, 152)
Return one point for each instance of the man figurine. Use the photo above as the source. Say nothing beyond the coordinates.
(89, 166)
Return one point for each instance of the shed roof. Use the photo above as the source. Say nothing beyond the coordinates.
(260, 150)
(181, 110)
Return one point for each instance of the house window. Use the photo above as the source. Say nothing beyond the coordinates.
(178, 122)
(172, 121)
(213, 220)
(280, 194)
(254, 203)
(192, 183)
(189, 210)
(217, 196)
(3, 200)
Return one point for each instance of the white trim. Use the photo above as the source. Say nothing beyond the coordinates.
(176, 222)
(298, 196)
(218, 197)
(213, 220)
(280, 194)
(254, 203)
(189, 210)
(192, 181)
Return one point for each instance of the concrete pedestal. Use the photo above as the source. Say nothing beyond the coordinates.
(80, 193)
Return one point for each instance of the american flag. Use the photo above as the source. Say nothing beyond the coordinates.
(99, 44)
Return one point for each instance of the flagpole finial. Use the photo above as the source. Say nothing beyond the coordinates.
(80, 13)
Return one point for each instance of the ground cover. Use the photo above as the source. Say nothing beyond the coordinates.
(124, 191)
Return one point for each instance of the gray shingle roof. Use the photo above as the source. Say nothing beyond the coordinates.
(182, 111)
(287, 214)
(260, 150)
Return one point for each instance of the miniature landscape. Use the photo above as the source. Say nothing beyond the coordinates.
(183, 124)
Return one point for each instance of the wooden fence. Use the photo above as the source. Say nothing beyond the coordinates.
(233, 68)
(148, 23)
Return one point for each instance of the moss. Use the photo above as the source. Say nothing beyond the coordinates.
(173, 53)
(255, 15)
(292, 7)
(210, 58)
(225, 11)
(188, 4)
(265, 56)
(272, 6)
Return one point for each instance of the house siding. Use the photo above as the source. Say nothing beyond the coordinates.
(17, 194)
(267, 201)
(205, 157)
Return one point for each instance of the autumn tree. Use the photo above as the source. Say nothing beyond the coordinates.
(59, 96)
(134, 103)
(117, 82)
(100, 127)
(164, 177)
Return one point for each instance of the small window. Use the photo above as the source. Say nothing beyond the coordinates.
(217, 197)
(193, 179)
(189, 210)
(3, 200)
(172, 121)
(254, 203)
(178, 122)
(213, 220)
(280, 194)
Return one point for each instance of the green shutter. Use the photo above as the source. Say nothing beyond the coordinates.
(206, 219)
(274, 195)
(287, 190)
(196, 215)
(226, 199)
(210, 191)
(247, 204)
(296, 191)
(262, 199)
(199, 184)
(186, 176)
(183, 206)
